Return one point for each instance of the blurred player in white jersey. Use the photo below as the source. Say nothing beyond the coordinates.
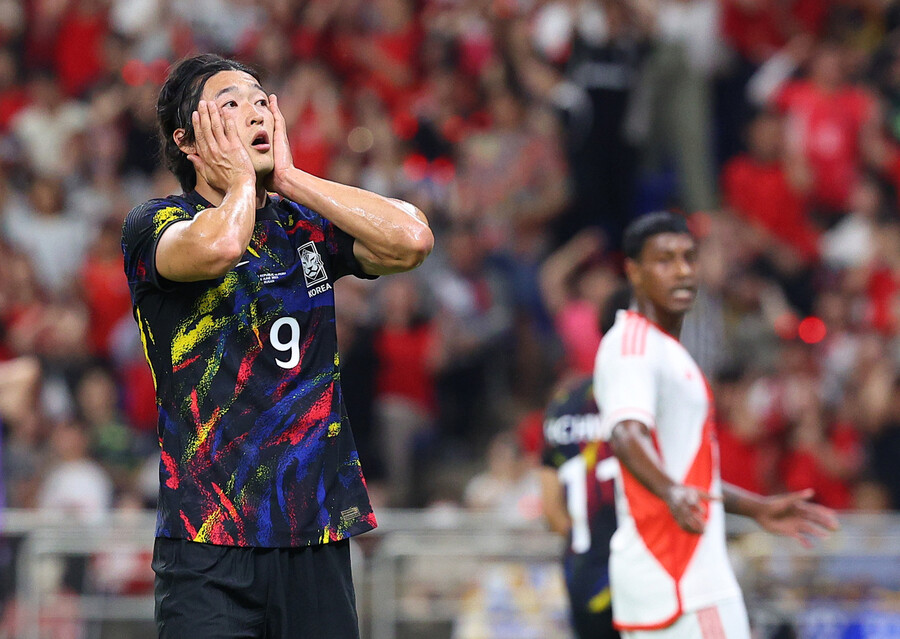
(669, 571)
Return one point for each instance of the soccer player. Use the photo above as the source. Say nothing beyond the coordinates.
(231, 283)
(577, 474)
(669, 571)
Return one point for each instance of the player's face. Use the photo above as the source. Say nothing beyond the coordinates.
(238, 94)
(666, 272)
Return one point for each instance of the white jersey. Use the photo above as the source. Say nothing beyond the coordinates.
(657, 570)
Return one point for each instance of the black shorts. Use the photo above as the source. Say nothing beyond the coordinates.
(205, 591)
(587, 582)
(594, 625)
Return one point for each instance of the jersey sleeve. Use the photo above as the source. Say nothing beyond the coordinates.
(337, 244)
(340, 246)
(143, 227)
(626, 379)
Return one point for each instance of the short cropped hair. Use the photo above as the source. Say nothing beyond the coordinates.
(646, 226)
(178, 99)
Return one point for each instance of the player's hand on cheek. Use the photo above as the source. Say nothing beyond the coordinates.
(220, 157)
(281, 147)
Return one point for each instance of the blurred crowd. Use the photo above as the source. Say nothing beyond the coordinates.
(530, 132)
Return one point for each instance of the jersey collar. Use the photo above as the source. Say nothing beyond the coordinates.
(198, 203)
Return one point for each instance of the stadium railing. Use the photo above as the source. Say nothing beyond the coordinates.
(446, 573)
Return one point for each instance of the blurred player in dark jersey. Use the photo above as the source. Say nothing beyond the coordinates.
(232, 288)
(579, 502)
(578, 493)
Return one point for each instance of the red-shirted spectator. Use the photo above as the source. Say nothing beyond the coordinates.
(754, 28)
(883, 278)
(832, 126)
(22, 303)
(406, 350)
(446, 102)
(105, 287)
(827, 462)
(758, 28)
(756, 186)
(741, 459)
(881, 288)
(79, 56)
(42, 18)
(819, 451)
(809, 15)
(383, 55)
(314, 118)
(138, 395)
(13, 97)
(747, 448)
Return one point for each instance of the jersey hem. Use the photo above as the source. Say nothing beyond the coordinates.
(699, 603)
(650, 626)
(659, 625)
(304, 542)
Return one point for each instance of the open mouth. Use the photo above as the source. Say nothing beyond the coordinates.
(261, 142)
(686, 293)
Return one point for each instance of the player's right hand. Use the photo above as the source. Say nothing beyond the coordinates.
(281, 145)
(688, 506)
(219, 155)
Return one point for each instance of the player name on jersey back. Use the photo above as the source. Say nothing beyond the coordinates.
(574, 429)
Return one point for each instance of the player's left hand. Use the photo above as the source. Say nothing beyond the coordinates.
(688, 506)
(281, 148)
(793, 515)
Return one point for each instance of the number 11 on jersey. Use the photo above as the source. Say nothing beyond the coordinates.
(574, 476)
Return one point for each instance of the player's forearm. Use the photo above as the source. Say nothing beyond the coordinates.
(632, 445)
(396, 233)
(214, 241)
(554, 502)
(558, 520)
(230, 225)
(560, 525)
(741, 502)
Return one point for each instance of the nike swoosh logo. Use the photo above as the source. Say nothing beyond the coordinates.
(242, 263)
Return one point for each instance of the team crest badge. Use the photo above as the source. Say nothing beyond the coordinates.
(313, 266)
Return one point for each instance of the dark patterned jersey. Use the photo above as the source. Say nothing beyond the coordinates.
(256, 445)
(586, 467)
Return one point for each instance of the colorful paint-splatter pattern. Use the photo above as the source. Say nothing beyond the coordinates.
(256, 448)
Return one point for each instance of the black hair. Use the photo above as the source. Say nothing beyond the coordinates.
(178, 99)
(646, 226)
